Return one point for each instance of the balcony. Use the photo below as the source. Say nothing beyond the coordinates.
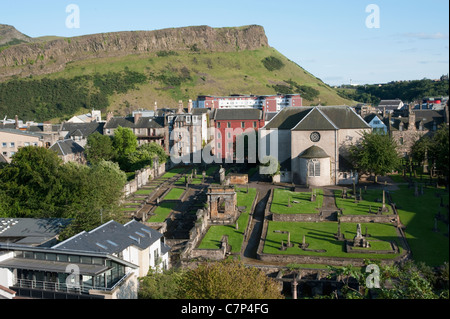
(53, 290)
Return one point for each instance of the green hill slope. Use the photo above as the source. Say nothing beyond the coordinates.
(164, 76)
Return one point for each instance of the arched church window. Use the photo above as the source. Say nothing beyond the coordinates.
(314, 168)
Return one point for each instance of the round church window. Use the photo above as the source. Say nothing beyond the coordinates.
(315, 137)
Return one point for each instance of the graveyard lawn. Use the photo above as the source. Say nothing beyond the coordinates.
(300, 202)
(174, 194)
(162, 212)
(212, 238)
(418, 215)
(174, 172)
(168, 204)
(371, 200)
(320, 236)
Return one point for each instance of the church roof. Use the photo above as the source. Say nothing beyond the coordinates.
(317, 118)
(314, 152)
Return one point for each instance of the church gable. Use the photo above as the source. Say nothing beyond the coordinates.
(316, 120)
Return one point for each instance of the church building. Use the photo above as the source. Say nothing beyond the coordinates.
(311, 143)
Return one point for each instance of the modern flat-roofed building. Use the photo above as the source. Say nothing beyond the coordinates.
(104, 263)
(267, 103)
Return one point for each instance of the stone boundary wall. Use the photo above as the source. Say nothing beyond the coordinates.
(200, 229)
(195, 234)
(142, 177)
(334, 261)
(367, 218)
(296, 217)
(250, 219)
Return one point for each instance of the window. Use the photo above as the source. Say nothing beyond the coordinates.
(12, 144)
(4, 144)
(228, 124)
(401, 141)
(314, 168)
(243, 124)
(254, 124)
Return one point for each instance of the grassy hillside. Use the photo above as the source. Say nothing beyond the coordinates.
(175, 76)
(165, 77)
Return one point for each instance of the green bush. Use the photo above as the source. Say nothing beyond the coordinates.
(272, 63)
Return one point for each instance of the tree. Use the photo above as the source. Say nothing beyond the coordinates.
(124, 143)
(269, 166)
(31, 185)
(227, 280)
(410, 280)
(161, 285)
(376, 154)
(92, 195)
(440, 150)
(99, 147)
(144, 156)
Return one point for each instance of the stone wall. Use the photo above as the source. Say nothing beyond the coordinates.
(142, 177)
(368, 218)
(237, 179)
(297, 217)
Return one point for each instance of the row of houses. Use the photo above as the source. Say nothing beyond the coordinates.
(186, 132)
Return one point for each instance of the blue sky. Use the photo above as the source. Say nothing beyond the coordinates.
(328, 38)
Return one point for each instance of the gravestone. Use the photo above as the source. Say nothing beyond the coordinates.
(339, 235)
(359, 240)
(304, 244)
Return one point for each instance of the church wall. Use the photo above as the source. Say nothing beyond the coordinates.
(301, 141)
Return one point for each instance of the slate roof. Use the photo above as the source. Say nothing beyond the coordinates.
(237, 114)
(20, 132)
(66, 147)
(288, 118)
(143, 122)
(82, 129)
(317, 118)
(112, 238)
(31, 231)
(427, 117)
(314, 152)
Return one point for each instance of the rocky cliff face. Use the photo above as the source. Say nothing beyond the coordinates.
(52, 56)
(9, 35)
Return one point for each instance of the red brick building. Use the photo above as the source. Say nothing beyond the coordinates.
(229, 123)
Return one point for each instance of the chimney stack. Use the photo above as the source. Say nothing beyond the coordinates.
(137, 116)
(180, 107)
(16, 118)
(190, 105)
(155, 108)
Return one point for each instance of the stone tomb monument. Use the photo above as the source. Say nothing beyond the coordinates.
(222, 202)
(359, 240)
